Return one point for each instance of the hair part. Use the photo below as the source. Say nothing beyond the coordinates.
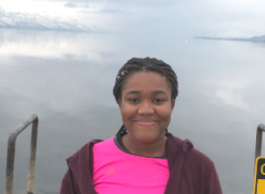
(147, 64)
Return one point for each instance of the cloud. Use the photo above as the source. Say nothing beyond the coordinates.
(76, 5)
(108, 11)
(230, 98)
(232, 33)
(57, 45)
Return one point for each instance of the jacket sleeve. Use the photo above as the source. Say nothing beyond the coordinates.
(69, 185)
(213, 185)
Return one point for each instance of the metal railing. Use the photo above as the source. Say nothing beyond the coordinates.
(260, 129)
(11, 154)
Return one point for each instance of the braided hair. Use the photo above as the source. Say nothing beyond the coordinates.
(146, 64)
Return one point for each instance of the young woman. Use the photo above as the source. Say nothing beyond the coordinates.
(143, 157)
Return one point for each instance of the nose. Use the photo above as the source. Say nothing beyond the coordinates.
(146, 108)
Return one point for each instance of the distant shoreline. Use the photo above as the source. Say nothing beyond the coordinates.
(258, 39)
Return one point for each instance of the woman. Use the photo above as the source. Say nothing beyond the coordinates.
(143, 157)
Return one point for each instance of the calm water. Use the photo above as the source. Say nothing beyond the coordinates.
(67, 80)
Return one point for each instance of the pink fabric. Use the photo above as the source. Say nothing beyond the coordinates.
(118, 172)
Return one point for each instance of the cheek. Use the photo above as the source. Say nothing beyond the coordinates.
(165, 113)
(127, 111)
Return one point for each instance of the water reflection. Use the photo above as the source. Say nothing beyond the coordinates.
(67, 80)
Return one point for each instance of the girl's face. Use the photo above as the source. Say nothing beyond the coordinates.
(146, 106)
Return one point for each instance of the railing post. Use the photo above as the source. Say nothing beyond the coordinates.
(11, 154)
(260, 129)
(257, 178)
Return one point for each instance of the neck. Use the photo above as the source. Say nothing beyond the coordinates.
(147, 149)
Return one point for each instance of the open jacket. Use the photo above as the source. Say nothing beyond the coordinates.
(191, 172)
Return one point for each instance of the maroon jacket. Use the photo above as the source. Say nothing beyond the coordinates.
(191, 172)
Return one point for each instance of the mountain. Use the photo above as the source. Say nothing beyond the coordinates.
(51, 22)
(258, 39)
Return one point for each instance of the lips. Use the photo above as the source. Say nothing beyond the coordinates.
(146, 123)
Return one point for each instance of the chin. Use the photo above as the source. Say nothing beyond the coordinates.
(147, 137)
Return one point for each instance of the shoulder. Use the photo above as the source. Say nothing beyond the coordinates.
(103, 150)
(83, 152)
(102, 145)
(198, 172)
(198, 160)
(193, 157)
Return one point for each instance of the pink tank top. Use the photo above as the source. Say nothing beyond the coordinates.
(116, 171)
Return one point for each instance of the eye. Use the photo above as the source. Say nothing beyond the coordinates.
(158, 100)
(134, 100)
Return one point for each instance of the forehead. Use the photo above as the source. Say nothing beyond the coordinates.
(146, 80)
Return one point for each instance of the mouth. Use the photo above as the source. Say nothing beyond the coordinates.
(145, 123)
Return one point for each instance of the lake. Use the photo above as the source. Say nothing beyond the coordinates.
(67, 80)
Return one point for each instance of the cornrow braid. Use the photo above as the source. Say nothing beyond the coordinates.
(146, 64)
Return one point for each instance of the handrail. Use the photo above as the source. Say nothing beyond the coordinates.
(11, 154)
(260, 129)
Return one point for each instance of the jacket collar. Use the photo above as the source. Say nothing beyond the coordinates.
(81, 166)
(175, 150)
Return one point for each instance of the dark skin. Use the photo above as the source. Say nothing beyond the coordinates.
(146, 107)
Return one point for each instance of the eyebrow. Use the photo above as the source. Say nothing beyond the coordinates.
(138, 92)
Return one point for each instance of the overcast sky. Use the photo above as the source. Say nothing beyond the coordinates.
(226, 18)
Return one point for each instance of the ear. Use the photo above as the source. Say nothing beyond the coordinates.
(173, 104)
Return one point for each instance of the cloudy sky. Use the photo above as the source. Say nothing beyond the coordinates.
(225, 18)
